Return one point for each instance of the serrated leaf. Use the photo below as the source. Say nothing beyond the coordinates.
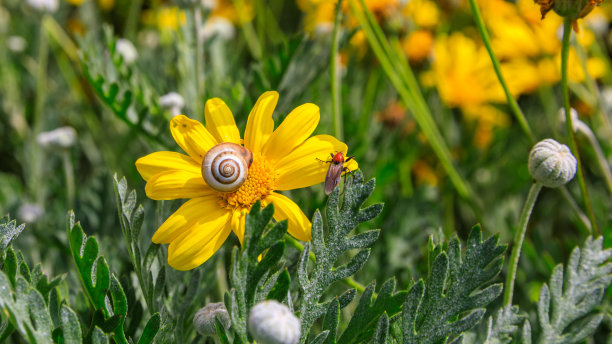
(567, 305)
(328, 246)
(381, 335)
(362, 325)
(9, 231)
(26, 309)
(452, 299)
(248, 271)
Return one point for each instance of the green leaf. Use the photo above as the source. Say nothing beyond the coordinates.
(504, 326)
(98, 283)
(364, 320)
(26, 309)
(342, 218)
(382, 330)
(248, 272)
(452, 299)
(9, 231)
(71, 328)
(280, 291)
(330, 323)
(151, 329)
(567, 305)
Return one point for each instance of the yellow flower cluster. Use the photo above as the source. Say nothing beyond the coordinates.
(453, 59)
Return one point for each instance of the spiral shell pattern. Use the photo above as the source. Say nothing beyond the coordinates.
(225, 167)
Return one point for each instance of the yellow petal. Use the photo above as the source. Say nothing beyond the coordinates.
(200, 241)
(238, 223)
(175, 184)
(157, 162)
(192, 137)
(184, 217)
(286, 209)
(260, 123)
(294, 130)
(220, 121)
(301, 168)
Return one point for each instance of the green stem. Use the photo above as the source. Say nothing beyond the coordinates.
(335, 76)
(519, 236)
(348, 281)
(37, 120)
(249, 32)
(69, 174)
(516, 110)
(567, 32)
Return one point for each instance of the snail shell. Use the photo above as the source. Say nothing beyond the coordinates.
(226, 166)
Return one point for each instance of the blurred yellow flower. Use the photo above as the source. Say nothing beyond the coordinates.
(424, 13)
(165, 18)
(418, 45)
(283, 159)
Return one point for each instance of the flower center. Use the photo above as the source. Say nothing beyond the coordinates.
(259, 184)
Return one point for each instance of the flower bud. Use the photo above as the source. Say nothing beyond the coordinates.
(551, 163)
(63, 137)
(44, 5)
(271, 322)
(572, 9)
(204, 320)
(173, 102)
(127, 50)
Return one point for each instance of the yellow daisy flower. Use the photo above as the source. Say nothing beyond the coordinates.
(282, 159)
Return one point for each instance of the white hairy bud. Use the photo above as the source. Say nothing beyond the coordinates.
(551, 163)
(173, 102)
(63, 137)
(44, 5)
(204, 320)
(271, 322)
(127, 50)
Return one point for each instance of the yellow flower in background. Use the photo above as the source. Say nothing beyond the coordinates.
(238, 12)
(165, 18)
(424, 13)
(418, 45)
(282, 159)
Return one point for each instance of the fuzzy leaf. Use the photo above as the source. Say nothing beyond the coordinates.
(26, 309)
(452, 299)
(248, 273)
(381, 335)
(150, 330)
(342, 218)
(9, 231)
(71, 328)
(364, 321)
(566, 307)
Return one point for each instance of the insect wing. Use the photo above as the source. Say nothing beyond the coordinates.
(333, 177)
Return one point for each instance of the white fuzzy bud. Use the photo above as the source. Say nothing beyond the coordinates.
(16, 44)
(44, 5)
(173, 102)
(204, 320)
(126, 49)
(551, 163)
(217, 26)
(63, 137)
(30, 212)
(271, 322)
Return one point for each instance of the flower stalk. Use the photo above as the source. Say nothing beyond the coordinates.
(335, 77)
(567, 32)
(516, 110)
(519, 237)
